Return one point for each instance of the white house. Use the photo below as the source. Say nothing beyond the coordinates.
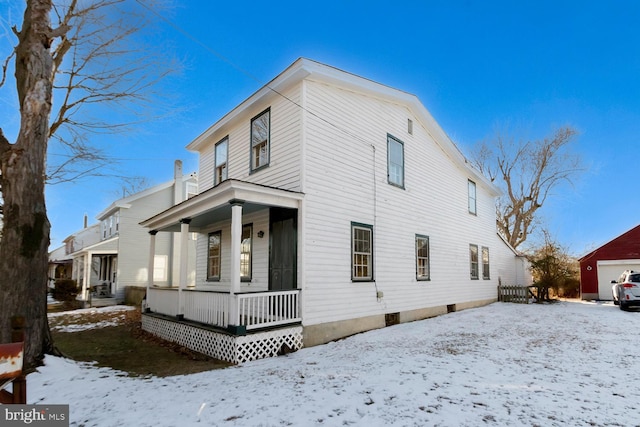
(111, 257)
(328, 205)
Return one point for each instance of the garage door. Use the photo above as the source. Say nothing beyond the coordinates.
(611, 270)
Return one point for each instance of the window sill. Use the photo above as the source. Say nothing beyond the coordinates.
(258, 169)
(401, 187)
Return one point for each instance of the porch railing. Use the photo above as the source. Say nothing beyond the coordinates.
(254, 310)
(265, 309)
(210, 308)
(163, 300)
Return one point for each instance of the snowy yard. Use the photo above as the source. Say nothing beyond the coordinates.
(504, 364)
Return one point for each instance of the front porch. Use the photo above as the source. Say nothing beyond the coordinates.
(236, 328)
(245, 303)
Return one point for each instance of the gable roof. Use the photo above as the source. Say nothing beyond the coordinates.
(126, 202)
(630, 235)
(304, 68)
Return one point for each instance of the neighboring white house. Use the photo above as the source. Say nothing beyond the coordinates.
(111, 256)
(328, 205)
(61, 259)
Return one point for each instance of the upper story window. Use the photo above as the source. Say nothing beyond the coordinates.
(222, 149)
(192, 190)
(260, 137)
(395, 161)
(110, 226)
(422, 258)
(361, 252)
(472, 197)
(473, 261)
(68, 247)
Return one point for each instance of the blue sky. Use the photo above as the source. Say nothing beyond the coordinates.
(477, 66)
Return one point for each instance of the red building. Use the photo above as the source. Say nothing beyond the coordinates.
(604, 264)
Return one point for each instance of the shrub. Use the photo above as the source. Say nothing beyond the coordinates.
(65, 290)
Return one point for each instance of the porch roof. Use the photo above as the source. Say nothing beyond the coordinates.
(105, 247)
(214, 204)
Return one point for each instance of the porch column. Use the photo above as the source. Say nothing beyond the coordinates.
(184, 241)
(86, 279)
(152, 258)
(236, 240)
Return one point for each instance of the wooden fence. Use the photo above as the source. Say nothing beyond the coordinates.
(516, 294)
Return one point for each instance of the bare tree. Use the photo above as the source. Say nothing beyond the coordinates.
(92, 61)
(527, 172)
(131, 186)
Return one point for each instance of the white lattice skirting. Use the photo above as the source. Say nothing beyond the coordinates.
(230, 348)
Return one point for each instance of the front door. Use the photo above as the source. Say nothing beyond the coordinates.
(283, 249)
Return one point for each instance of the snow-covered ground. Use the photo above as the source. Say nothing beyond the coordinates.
(566, 364)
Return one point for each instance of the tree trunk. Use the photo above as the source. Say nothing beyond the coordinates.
(25, 238)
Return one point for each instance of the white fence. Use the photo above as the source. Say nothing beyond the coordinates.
(163, 300)
(253, 310)
(265, 309)
(210, 308)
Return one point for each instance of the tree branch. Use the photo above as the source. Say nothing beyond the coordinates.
(5, 145)
(528, 172)
(5, 66)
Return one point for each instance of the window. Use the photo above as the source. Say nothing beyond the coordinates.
(192, 189)
(485, 263)
(260, 135)
(160, 266)
(117, 219)
(472, 197)
(213, 256)
(245, 253)
(361, 252)
(222, 149)
(395, 161)
(473, 260)
(422, 258)
(68, 247)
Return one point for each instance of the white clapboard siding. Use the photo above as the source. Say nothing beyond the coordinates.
(260, 258)
(346, 180)
(133, 250)
(284, 160)
(334, 151)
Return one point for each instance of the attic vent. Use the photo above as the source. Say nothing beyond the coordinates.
(410, 126)
(391, 319)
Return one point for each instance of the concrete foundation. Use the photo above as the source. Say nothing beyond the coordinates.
(331, 331)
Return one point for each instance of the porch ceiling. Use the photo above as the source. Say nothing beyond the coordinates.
(214, 205)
